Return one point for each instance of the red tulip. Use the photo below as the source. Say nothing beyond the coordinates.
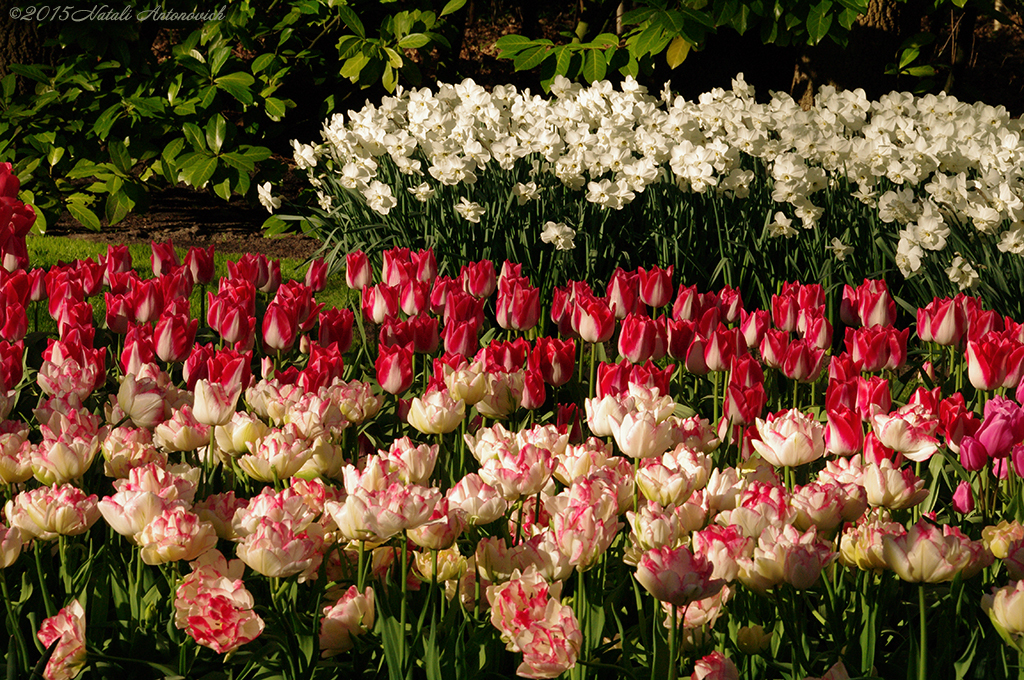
(534, 394)
(460, 337)
(357, 270)
(414, 296)
(593, 320)
(336, 327)
(200, 263)
(869, 304)
(425, 334)
(845, 433)
(721, 346)
(816, 329)
(877, 347)
(11, 366)
(138, 348)
(680, 337)
(841, 394)
(753, 326)
(462, 306)
(655, 285)
(745, 371)
(439, 291)
(479, 278)
(518, 307)
(380, 302)
(280, 327)
(164, 258)
(637, 338)
(174, 336)
(744, 405)
(986, 362)
(394, 368)
(942, 321)
(785, 309)
(424, 264)
(147, 300)
(773, 347)
(873, 396)
(623, 292)
(730, 302)
(981, 322)
(803, 362)
(955, 421)
(555, 359)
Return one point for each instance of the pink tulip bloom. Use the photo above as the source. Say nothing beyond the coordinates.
(176, 534)
(790, 438)
(276, 550)
(67, 626)
(51, 511)
(677, 576)
(349, 617)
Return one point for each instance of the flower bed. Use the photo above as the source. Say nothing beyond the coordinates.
(466, 477)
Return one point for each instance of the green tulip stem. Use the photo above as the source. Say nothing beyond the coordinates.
(361, 566)
(673, 643)
(12, 623)
(922, 658)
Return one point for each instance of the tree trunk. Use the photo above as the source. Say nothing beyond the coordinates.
(873, 43)
(21, 42)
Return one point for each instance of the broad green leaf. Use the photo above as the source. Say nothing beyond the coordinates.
(29, 71)
(83, 169)
(394, 58)
(106, 120)
(216, 130)
(117, 206)
(208, 94)
(194, 136)
(920, 71)
(223, 188)
(510, 44)
(119, 156)
(261, 62)
(648, 38)
(255, 153)
(218, 57)
(677, 51)
(413, 41)
(9, 84)
(77, 206)
(237, 84)
(54, 156)
(275, 108)
(274, 225)
(530, 58)
(351, 20)
(563, 56)
(819, 20)
(390, 78)
(594, 66)
(199, 169)
(352, 66)
(452, 6)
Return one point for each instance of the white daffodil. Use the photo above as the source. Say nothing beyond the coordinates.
(422, 192)
(470, 211)
(267, 199)
(962, 273)
(782, 226)
(839, 249)
(379, 197)
(558, 234)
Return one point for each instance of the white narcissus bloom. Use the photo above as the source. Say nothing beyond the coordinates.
(422, 192)
(908, 257)
(839, 249)
(962, 273)
(525, 193)
(782, 226)
(379, 197)
(305, 155)
(558, 234)
(267, 198)
(470, 211)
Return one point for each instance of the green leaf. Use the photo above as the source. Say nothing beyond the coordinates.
(530, 58)
(919, 71)
(117, 206)
(413, 41)
(106, 120)
(819, 20)
(54, 156)
(30, 71)
(261, 62)
(275, 108)
(351, 20)
(119, 156)
(216, 130)
(452, 6)
(255, 153)
(194, 136)
(199, 169)
(648, 38)
(78, 208)
(237, 161)
(594, 66)
(208, 94)
(9, 84)
(274, 225)
(352, 66)
(237, 84)
(390, 78)
(218, 57)
(677, 51)
(510, 44)
(83, 169)
(223, 188)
